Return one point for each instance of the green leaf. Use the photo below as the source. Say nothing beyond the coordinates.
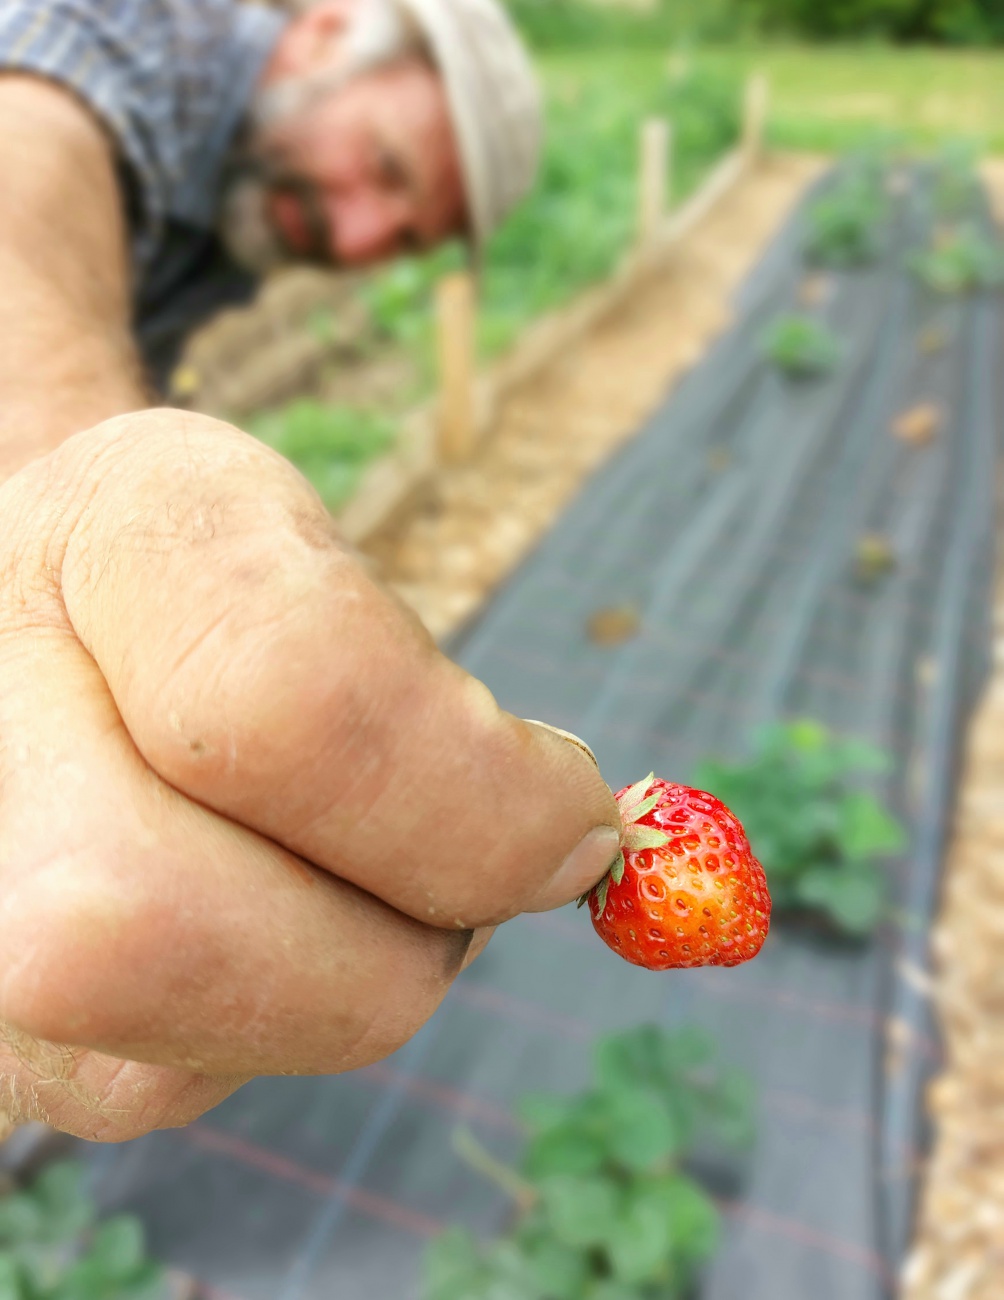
(733, 1112)
(617, 869)
(118, 1249)
(801, 346)
(557, 1271)
(641, 1128)
(148, 1283)
(646, 806)
(629, 1059)
(694, 1219)
(804, 735)
(567, 1149)
(807, 824)
(12, 1284)
(452, 1266)
(853, 898)
(640, 1249)
(634, 794)
(860, 756)
(580, 1211)
(643, 837)
(867, 830)
(508, 1275)
(668, 1227)
(455, 1268)
(21, 1219)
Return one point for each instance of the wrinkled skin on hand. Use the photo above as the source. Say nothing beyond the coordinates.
(251, 820)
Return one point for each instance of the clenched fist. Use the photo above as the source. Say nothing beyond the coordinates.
(251, 820)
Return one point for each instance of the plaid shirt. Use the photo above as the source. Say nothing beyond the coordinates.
(170, 79)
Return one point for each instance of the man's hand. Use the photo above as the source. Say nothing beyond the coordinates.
(251, 821)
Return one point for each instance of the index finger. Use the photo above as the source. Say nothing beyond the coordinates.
(262, 672)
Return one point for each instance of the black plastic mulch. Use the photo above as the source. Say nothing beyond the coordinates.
(731, 523)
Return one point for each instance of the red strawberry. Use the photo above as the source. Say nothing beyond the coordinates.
(686, 890)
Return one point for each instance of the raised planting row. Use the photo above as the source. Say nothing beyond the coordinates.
(805, 531)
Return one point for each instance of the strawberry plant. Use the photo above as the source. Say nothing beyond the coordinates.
(329, 445)
(605, 1206)
(956, 189)
(845, 226)
(801, 346)
(52, 1246)
(959, 261)
(817, 833)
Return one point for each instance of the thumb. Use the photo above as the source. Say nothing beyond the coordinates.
(261, 672)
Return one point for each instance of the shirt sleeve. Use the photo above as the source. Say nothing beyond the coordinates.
(170, 80)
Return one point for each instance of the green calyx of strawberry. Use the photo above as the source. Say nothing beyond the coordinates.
(634, 803)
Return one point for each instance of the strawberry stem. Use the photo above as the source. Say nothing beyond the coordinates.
(483, 1162)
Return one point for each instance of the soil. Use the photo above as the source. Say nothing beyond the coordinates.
(307, 332)
(447, 553)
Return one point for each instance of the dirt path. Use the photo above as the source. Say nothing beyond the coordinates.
(959, 1250)
(960, 1244)
(448, 554)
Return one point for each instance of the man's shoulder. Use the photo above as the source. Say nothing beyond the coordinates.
(170, 79)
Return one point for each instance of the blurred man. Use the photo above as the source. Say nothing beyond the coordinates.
(251, 821)
(353, 131)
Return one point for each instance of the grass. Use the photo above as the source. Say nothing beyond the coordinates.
(830, 97)
(329, 445)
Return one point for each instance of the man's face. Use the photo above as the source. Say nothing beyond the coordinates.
(356, 174)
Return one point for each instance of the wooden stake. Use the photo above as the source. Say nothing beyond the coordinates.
(455, 318)
(654, 175)
(755, 115)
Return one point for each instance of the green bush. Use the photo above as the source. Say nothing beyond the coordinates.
(329, 445)
(583, 24)
(52, 1246)
(607, 1209)
(817, 834)
(962, 260)
(972, 22)
(845, 226)
(801, 346)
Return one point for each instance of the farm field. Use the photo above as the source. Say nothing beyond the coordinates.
(363, 351)
(740, 530)
(776, 589)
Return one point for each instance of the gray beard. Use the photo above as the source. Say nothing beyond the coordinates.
(244, 228)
